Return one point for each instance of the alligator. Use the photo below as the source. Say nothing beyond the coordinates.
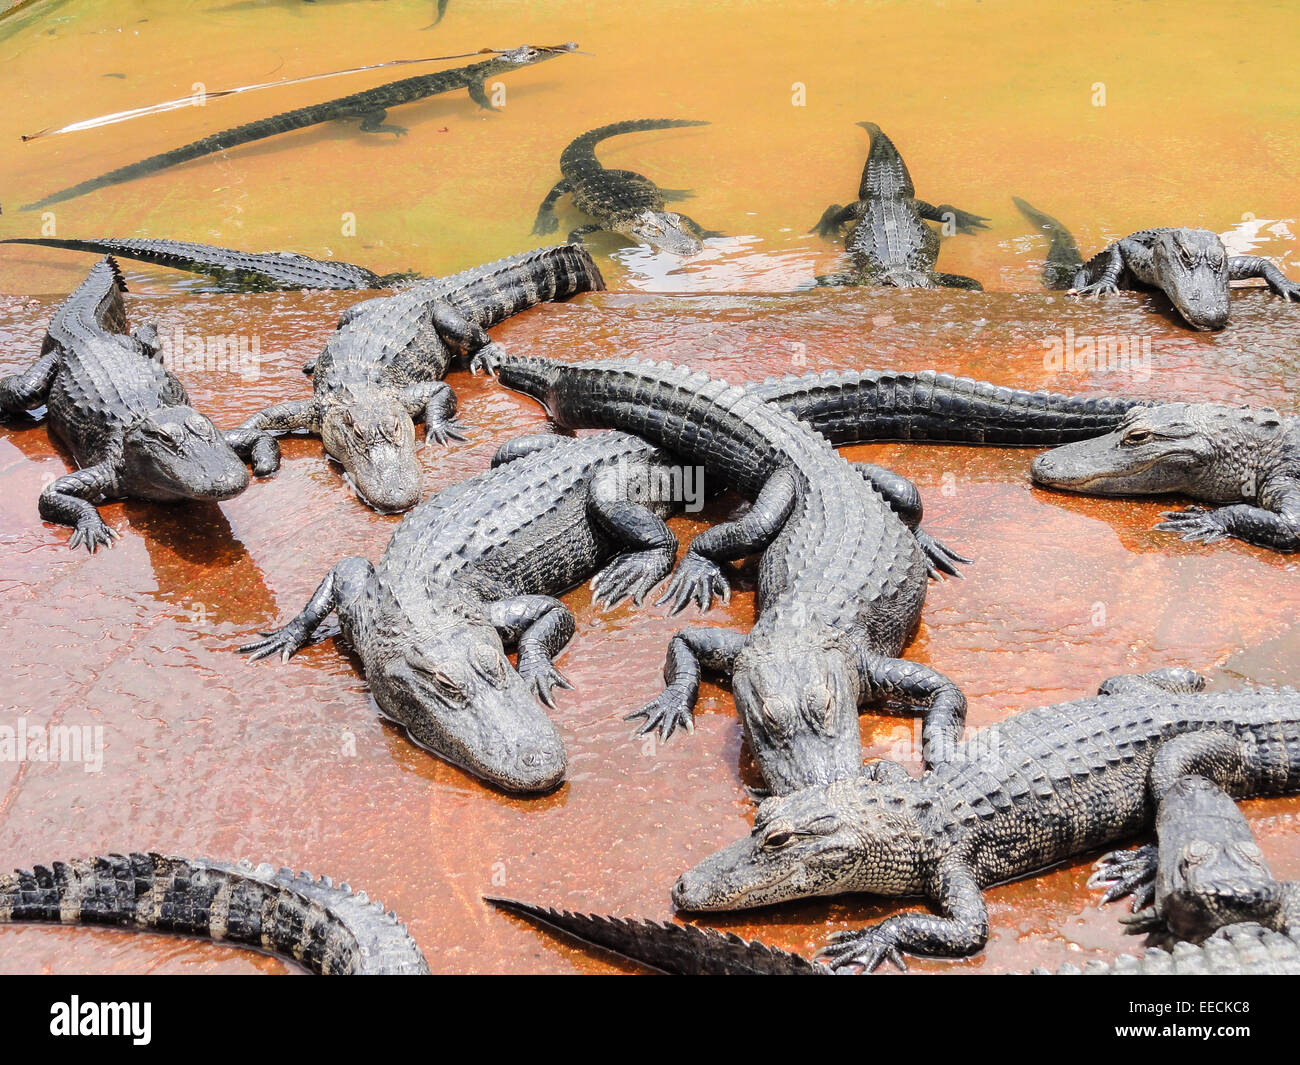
(1247, 458)
(240, 271)
(371, 106)
(330, 929)
(1190, 266)
(621, 201)
(889, 242)
(1204, 873)
(1238, 950)
(383, 368)
(1036, 789)
(840, 584)
(124, 416)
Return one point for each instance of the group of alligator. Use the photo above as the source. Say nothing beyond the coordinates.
(475, 570)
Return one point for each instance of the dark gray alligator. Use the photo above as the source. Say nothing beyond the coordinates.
(383, 369)
(331, 930)
(124, 416)
(840, 585)
(621, 201)
(1238, 950)
(371, 106)
(1246, 458)
(1190, 266)
(1204, 873)
(241, 271)
(890, 243)
(1036, 789)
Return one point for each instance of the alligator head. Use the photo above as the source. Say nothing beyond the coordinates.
(374, 441)
(851, 835)
(1191, 266)
(177, 453)
(663, 230)
(448, 682)
(1210, 451)
(799, 707)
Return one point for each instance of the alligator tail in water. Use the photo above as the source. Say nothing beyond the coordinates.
(370, 106)
(1063, 260)
(330, 929)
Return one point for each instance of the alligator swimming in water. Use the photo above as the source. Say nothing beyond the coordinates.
(243, 271)
(383, 369)
(1190, 266)
(890, 243)
(333, 931)
(1247, 458)
(124, 416)
(622, 201)
(371, 106)
(841, 581)
(1036, 789)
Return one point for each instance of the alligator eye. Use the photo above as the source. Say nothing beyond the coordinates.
(1137, 436)
(776, 840)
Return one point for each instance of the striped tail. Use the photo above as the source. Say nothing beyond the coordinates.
(329, 929)
(579, 158)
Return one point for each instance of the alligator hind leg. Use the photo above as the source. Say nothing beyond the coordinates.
(699, 577)
(340, 587)
(958, 281)
(67, 501)
(546, 220)
(522, 446)
(257, 448)
(1243, 267)
(458, 332)
(435, 402)
(948, 215)
(373, 122)
(650, 546)
(296, 416)
(1104, 273)
(540, 626)
(836, 217)
(904, 498)
(23, 391)
(942, 704)
(689, 651)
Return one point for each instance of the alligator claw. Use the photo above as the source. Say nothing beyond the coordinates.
(1127, 872)
(484, 361)
(850, 951)
(92, 532)
(285, 642)
(697, 579)
(669, 711)
(444, 432)
(629, 576)
(1287, 289)
(965, 221)
(940, 559)
(1097, 288)
(541, 674)
(1194, 525)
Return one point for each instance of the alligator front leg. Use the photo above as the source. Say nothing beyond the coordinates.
(962, 929)
(257, 448)
(948, 215)
(67, 501)
(1274, 524)
(904, 498)
(942, 704)
(1243, 267)
(296, 416)
(341, 585)
(459, 333)
(1176, 680)
(546, 220)
(435, 403)
(694, 227)
(688, 652)
(540, 626)
(580, 234)
(1126, 254)
(373, 122)
(24, 391)
(699, 577)
(478, 93)
(1128, 872)
(836, 217)
(650, 545)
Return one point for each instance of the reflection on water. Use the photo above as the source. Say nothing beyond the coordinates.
(209, 754)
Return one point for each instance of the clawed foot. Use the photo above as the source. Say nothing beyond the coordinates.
(1195, 525)
(92, 533)
(265, 455)
(963, 220)
(1287, 289)
(441, 432)
(850, 951)
(485, 361)
(541, 674)
(1097, 288)
(285, 642)
(697, 579)
(628, 576)
(1128, 872)
(939, 559)
(545, 224)
(669, 712)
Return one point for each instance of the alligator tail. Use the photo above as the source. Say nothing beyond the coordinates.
(670, 948)
(328, 929)
(1063, 259)
(885, 175)
(579, 158)
(868, 406)
(490, 294)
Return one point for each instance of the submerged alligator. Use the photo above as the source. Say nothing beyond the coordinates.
(1247, 458)
(124, 416)
(331, 930)
(383, 369)
(621, 201)
(890, 243)
(244, 271)
(1038, 788)
(371, 106)
(1190, 266)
